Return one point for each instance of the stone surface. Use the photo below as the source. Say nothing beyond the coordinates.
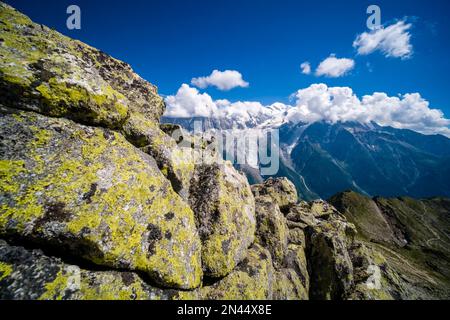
(225, 213)
(281, 190)
(100, 201)
(252, 279)
(89, 191)
(31, 275)
(272, 231)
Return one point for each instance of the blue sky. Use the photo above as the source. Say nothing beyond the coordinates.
(169, 42)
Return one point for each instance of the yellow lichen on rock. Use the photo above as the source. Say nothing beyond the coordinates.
(225, 212)
(92, 192)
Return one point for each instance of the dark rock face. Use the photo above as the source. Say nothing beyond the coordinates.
(97, 201)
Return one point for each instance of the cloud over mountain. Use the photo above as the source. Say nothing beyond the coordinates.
(392, 41)
(222, 80)
(318, 102)
(334, 104)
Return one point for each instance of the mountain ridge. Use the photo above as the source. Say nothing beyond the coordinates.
(366, 157)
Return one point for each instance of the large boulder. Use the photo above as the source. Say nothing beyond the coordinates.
(288, 286)
(225, 213)
(176, 161)
(89, 192)
(41, 70)
(329, 262)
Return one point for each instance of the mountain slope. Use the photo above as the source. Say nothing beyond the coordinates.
(372, 160)
(412, 234)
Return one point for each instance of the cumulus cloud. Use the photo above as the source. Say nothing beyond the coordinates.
(334, 67)
(318, 102)
(339, 104)
(189, 102)
(392, 41)
(306, 67)
(222, 80)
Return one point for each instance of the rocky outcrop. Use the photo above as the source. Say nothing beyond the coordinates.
(100, 201)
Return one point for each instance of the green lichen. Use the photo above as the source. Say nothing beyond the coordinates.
(5, 270)
(288, 286)
(136, 191)
(251, 281)
(110, 286)
(9, 170)
(61, 98)
(55, 290)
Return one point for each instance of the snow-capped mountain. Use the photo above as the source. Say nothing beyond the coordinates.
(324, 158)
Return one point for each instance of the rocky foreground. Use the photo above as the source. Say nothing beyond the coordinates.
(98, 201)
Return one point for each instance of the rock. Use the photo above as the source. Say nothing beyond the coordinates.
(281, 190)
(321, 209)
(225, 213)
(292, 280)
(175, 162)
(271, 228)
(90, 180)
(251, 279)
(288, 286)
(90, 192)
(297, 236)
(30, 275)
(295, 259)
(329, 261)
(44, 71)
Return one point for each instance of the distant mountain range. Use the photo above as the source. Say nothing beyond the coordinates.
(323, 158)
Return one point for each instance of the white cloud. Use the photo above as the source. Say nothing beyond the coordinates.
(392, 41)
(318, 102)
(188, 102)
(222, 80)
(334, 104)
(334, 67)
(306, 67)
